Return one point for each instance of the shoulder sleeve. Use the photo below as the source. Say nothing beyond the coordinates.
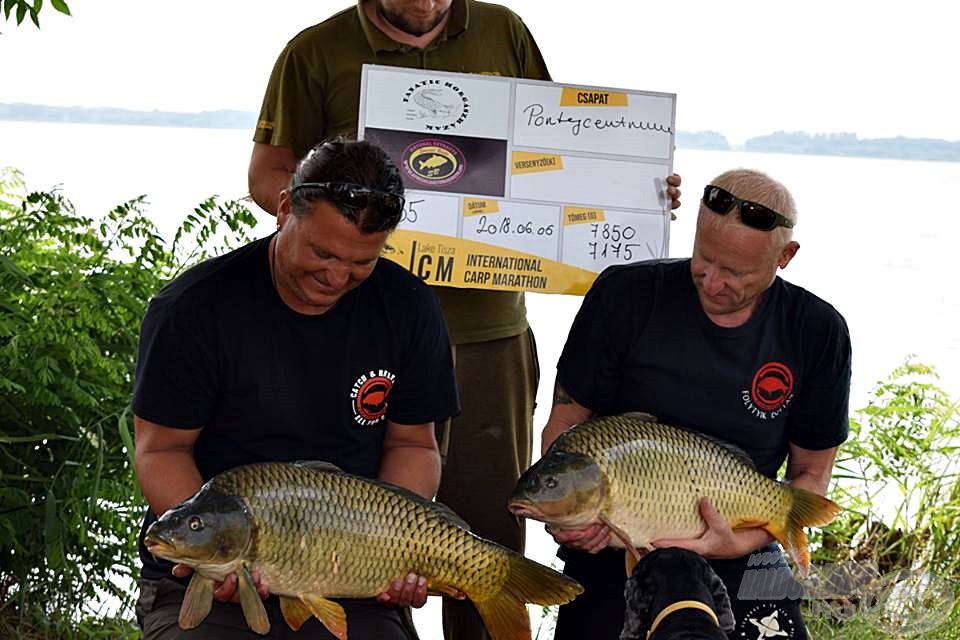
(292, 112)
(176, 368)
(531, 60)
(819, 418)
(426, 388)
(613, 313)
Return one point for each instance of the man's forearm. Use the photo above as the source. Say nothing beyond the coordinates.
(269, 174)
(566, 412)
(412, 467)
(167, 478)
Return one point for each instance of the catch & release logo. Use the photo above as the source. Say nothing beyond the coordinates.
(439, 104)
(433, 162)
(368, 396)
(770, 392)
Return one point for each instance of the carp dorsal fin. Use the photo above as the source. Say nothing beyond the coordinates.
(641, 415)
(449, 514)
(733, 449)
(442, 510)
(446, 513)
(319, 465)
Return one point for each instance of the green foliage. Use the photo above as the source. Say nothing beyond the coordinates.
(31, 8)
(897, 477)
(72, 293)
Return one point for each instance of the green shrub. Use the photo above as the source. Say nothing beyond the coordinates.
(72, 293)
(897, 477)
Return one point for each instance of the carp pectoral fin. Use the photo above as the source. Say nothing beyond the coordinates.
(630, 561)
(632, 556)
(442, 590)
(253, 610)
(749, 524)
(294, 611)
(197, 601)
(329, 613)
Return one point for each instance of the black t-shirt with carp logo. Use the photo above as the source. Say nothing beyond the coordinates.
(220, 350)
(641, 342)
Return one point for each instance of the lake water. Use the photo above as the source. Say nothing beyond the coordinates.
(877, 237)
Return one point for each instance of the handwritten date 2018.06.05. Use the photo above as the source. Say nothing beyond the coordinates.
(506, 226)
(612, 240)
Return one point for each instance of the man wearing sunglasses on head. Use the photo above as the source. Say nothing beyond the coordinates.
(300, 346)
(720, 344)
(313, 94)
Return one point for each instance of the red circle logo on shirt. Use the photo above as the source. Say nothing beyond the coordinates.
(771, 386)
(371, 399)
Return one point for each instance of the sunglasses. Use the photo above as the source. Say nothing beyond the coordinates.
(356, 197)
(751, 214)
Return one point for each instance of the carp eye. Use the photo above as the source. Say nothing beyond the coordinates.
(551, 482)
(195, 523)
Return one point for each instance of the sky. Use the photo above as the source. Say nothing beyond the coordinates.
(742, 68)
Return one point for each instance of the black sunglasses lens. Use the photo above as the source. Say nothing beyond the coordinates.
(351, 197)
(393, 205)
(718, 200)
(757, 216)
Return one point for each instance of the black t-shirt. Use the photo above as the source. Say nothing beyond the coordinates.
(642, 342)
(220, 350)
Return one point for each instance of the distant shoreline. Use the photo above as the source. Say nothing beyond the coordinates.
(797, 142)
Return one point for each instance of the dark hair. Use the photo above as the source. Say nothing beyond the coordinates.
(355, 162)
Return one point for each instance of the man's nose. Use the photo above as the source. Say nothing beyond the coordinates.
(338, 276)
(712, 282)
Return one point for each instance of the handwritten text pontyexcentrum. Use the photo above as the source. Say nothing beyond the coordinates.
(535, 118)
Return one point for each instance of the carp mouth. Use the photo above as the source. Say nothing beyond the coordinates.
(158, 547)
(524, 509)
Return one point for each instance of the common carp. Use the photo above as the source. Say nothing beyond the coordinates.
(432, 162)
(645, 479)
(315, 532)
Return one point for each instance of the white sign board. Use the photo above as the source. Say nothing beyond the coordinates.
(521, 184)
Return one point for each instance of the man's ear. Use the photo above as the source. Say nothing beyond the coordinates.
(283, 208)
(788, 253)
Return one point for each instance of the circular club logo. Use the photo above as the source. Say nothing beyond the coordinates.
(439, 104)
(435, 163)
(772, 386)
(369, 397)
(766, 621)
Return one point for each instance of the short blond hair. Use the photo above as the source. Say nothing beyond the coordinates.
(756, 186)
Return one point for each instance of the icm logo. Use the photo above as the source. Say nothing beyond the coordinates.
(368, 396)
(439, 104)
(434, 163)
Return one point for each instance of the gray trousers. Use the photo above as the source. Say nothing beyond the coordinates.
(159, 606)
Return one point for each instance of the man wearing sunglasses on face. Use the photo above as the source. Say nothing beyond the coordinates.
(313, 94)
(300, 346)
(718, 343)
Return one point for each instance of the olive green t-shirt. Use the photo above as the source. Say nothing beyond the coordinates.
(314, 95)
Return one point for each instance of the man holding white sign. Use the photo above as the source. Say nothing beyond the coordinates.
(313, 95)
